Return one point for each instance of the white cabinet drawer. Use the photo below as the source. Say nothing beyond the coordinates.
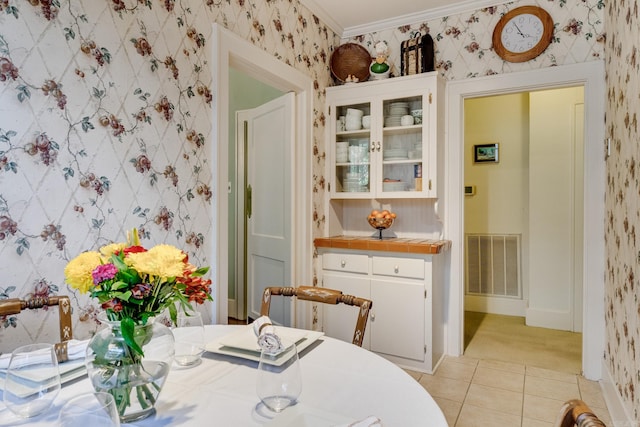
(349, 263)
(398, 267)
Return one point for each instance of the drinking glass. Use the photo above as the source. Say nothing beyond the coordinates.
(32, 380)
(279, 377)
(189, 338)
(90, 410)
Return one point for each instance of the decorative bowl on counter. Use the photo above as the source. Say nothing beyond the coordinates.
(381, 220)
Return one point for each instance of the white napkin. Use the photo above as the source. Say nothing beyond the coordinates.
(75, 350)
(266, 333)
(370, 421)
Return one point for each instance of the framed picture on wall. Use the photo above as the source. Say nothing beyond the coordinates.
(485, 153)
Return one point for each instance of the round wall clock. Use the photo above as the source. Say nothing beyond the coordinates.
(522, 33)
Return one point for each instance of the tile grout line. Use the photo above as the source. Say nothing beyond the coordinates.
(475, 371)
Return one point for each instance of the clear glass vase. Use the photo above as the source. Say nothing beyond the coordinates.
(134, 380)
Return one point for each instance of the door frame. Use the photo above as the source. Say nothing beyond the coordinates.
(591, 76)
(230, 50)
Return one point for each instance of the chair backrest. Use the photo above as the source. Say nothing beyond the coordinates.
(576, 413)
(325, 296)
(15, 306)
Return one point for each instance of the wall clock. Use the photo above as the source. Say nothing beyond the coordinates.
(522, 33)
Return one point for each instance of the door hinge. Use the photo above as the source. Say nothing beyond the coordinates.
(429, 184)
(329, 110)
(425, 349)
(425, 294)
(248, 201)
(329, 187)
(430, 98)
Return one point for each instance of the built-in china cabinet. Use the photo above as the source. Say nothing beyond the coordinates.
(385, 151)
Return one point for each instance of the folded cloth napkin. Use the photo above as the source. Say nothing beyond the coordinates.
(266, 333)
(370, 421)
(75, 350)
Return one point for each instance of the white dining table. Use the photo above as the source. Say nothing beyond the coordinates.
(341, 383)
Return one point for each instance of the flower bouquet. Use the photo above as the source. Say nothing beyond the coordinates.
(131, 358)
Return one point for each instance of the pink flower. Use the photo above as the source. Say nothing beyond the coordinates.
(104, 272)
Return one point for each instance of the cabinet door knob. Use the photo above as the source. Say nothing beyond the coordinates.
(396, 269)
(373, 146)
(378, 146)
(343, 263)
(373, 317)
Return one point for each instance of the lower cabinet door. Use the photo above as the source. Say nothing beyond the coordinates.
(397, 318)
(339, 321)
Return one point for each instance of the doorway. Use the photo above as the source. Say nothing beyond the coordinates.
(523, 220)
(231, 51)
(247, 93)
(264, 214)
(591, 76)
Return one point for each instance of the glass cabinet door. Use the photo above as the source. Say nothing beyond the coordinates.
(352, 148)
(402, 145)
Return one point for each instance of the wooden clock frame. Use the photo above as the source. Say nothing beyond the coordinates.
(545, 41)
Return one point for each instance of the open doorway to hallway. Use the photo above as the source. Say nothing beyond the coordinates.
(523, 226)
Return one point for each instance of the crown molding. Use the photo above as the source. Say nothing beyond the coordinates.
(315, 6)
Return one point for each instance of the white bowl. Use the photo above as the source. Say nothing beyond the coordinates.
(354, 112)
(406, 120)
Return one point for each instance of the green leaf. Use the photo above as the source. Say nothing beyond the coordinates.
(119, 285)
(128, 326)
(200, 271)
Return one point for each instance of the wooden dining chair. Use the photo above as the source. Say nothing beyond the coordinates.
(12, 306)
(576, 413)
(325, 296)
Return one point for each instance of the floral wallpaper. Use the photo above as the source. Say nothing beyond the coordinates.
(105, 125)
(622, 292)
(463, 45)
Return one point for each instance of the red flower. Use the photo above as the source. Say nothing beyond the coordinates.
(113, 304)
(196, 288)
(133, 250)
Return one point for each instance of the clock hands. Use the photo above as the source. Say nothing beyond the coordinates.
(520, 31)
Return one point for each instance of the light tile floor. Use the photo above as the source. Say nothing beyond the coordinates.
(479, 393)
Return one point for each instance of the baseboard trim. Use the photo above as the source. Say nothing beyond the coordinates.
(495, 305)
(617, 410)
(549, 319)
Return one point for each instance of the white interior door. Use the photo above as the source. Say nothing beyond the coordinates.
(555, 208)
(269, 145)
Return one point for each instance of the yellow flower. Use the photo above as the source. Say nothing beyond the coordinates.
(161, 261)
(78, 272)
(111, 249)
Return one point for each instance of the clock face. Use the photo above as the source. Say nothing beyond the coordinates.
(522, 33)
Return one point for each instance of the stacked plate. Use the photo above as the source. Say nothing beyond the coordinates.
(396, 111)
(353, 185)
(393, 186)
(395, 154)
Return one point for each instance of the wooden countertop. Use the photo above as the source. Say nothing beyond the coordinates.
(412, 246)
